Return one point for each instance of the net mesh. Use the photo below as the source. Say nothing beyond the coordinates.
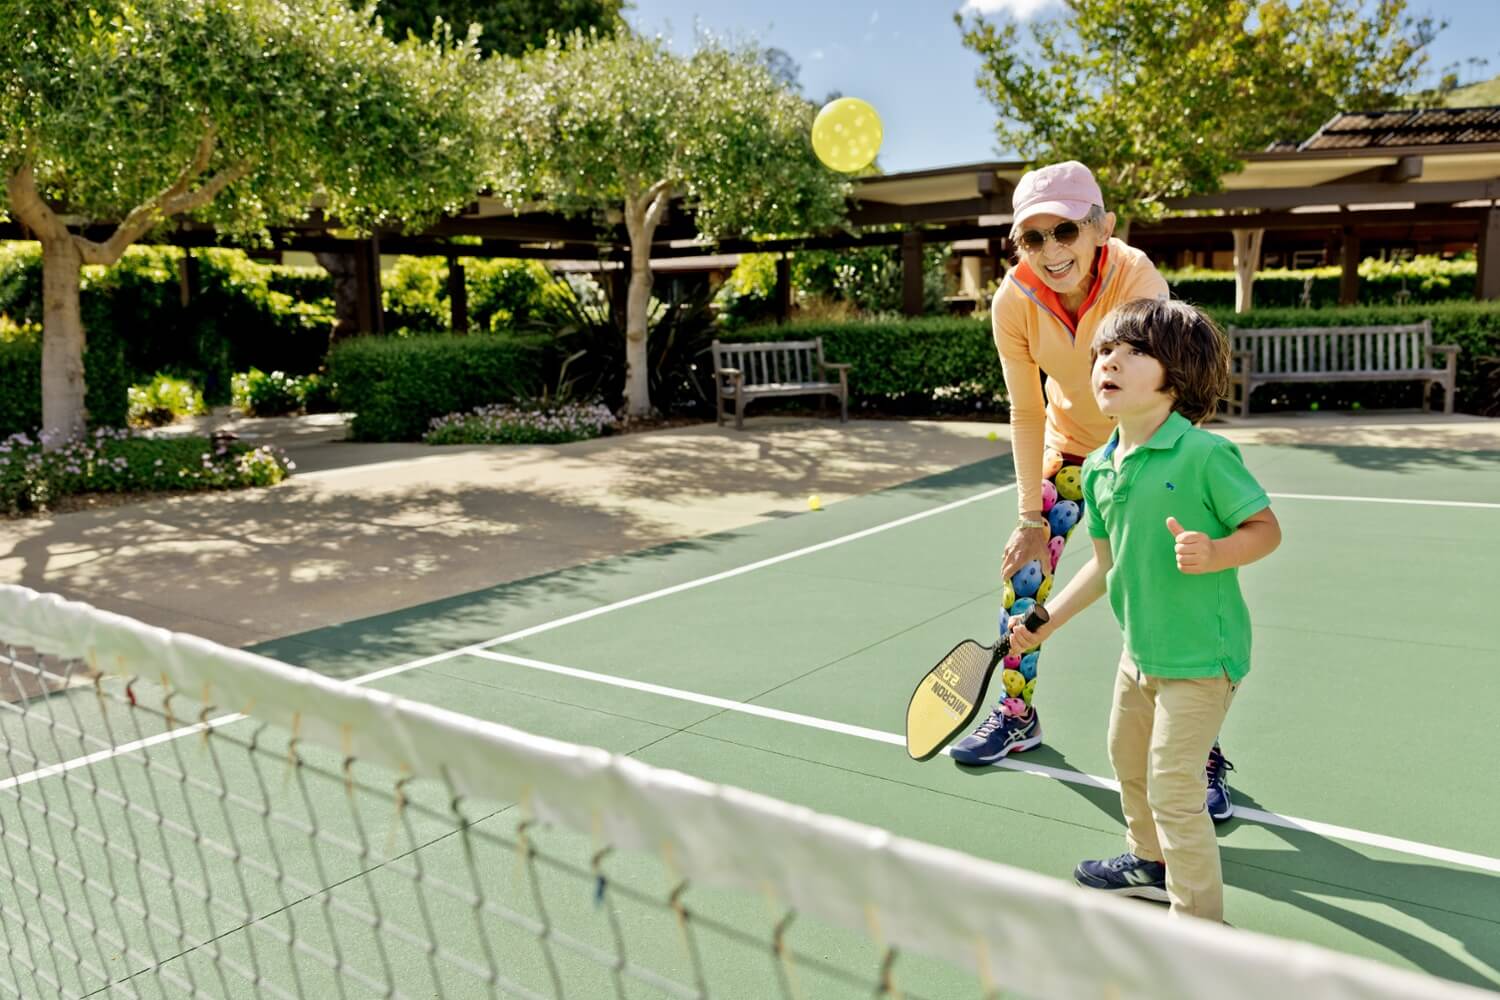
(180, 819)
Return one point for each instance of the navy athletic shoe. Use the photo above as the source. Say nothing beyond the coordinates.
(1126, 875)
(997, 736)
(1219, 805)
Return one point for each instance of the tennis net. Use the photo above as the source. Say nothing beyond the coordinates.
(180, 819)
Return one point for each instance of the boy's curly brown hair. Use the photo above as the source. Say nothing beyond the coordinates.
(1192, 351)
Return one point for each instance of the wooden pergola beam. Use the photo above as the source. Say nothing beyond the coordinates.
(1343, 194)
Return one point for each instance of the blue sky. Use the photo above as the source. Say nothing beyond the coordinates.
(905, 57)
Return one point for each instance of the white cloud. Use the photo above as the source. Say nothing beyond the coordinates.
(874, 17)
(815, 55)
(1019, 9)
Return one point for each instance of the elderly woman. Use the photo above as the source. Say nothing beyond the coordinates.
(1071, 274)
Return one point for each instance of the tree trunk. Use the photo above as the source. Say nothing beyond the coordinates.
(63, 413)
(641, 216)
(340, 266)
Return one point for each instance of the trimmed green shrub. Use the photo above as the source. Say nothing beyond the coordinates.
(163, 400)
(262, 394)
(1473, 326)
(504, 424)
(1417, 281)
(395, 385)
(919, 365)
(112, 460)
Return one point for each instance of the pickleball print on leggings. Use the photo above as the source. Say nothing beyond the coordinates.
(1062, 508)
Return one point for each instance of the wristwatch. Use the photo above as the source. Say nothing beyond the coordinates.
(1031, 522)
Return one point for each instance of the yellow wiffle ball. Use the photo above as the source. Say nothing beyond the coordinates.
(846, 134)
(814, 502)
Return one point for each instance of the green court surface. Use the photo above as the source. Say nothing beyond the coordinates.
(780, 657)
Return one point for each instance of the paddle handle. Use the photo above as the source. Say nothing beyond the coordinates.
(1035, 619)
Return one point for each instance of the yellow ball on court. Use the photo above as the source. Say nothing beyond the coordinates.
(846, 134)
(814, 502)
(993, 436)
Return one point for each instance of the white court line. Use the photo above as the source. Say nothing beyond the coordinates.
(1393, 500)
(1397, 844)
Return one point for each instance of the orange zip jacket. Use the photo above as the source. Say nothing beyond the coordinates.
(1035, 334)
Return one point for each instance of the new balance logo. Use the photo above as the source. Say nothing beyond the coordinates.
(1140, 876)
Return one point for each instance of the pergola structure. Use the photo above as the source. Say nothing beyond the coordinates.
(1419, 179)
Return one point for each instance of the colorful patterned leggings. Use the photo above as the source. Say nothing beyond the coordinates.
(1062, 506)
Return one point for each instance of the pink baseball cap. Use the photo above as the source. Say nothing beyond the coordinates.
(1065, 189)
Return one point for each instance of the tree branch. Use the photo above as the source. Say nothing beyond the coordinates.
(30, 207)
(656, 200)
(173, 200)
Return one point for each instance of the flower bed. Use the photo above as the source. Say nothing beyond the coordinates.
(109, 460)
(505, 424)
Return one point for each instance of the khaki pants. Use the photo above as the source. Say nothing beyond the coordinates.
(1160, 733)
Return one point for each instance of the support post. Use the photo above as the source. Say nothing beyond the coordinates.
(783, 288)
(1487, 283)
(1349, 279)
(911, 273)
(458, 296)
(370, 309)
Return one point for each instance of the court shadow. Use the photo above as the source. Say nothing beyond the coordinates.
(1314, 873)
(1460, 904)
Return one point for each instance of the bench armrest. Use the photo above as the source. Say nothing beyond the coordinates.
(732, 373)
(1449, 349)
(1241, 362)
(836, 366)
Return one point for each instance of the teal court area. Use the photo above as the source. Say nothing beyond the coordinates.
(776, 655)
(779, 657)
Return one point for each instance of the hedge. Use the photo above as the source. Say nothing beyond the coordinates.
(1473, 326)
(915, 365)
(1420, 281)
(395, 386)
(106, 385)
(927, 363)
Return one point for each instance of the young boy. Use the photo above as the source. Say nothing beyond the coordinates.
(1172, 512)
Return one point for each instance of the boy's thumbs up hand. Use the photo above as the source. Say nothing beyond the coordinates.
(1195, 550)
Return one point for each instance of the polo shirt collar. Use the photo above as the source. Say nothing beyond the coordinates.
(1166, 436)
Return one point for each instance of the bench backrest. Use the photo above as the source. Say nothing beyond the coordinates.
(772, 362)
(1295, 350)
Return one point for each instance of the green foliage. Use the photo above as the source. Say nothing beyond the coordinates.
(509, 294)
(116, 461)
(866, 279)
(415, 293)
(507, 27)
(591, 125)
(163, 400)
(1162, 99)
(21, 374)
(919, 365)
(1473, 326)
(396, 385)
(261, 394)
(1408, 282)
(531, 424)
(111, 101)
(241, 315)
(587, 354)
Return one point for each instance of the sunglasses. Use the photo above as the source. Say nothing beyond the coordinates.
(1065, 233)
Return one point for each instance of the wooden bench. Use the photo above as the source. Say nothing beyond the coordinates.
(1339, 354)
(743, 372)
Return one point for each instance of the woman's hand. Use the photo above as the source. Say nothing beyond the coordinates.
(1025, 545)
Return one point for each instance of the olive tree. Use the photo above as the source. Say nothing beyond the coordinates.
(122, 115)
(619, 124)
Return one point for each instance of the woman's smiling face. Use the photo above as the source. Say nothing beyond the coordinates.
(1066, 269)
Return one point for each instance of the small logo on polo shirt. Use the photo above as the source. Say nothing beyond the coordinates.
(1170, 486)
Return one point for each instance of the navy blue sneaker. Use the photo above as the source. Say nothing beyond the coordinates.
(997, 736)
(1126, 875)
(1219, 805)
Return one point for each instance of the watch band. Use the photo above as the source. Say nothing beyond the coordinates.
(1028, 522)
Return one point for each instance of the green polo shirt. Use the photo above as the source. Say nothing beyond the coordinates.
(1176, 624)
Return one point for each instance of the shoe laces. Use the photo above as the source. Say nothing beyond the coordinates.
(1218, 766)
(1126, 860)
(994, 722)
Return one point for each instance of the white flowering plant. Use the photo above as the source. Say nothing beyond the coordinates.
(115, 460)
(503, 423)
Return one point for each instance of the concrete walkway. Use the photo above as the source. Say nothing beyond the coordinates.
(363, 529)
